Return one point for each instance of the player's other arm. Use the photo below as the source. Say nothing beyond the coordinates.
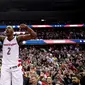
(31, 34)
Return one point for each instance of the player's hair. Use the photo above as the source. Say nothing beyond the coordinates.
(9, 27)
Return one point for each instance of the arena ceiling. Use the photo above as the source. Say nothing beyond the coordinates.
(38, 9)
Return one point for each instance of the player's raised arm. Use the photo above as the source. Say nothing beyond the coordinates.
(31, 34)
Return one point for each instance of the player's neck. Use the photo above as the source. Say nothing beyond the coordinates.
(10, 38)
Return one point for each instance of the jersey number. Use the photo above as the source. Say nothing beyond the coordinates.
(9, 49)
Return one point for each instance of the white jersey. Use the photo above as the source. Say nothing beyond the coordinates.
(10, 52)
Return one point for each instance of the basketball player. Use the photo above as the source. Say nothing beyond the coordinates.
(10, 71)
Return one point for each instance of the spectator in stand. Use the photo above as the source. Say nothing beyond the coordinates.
(34, 79)
(49, 81)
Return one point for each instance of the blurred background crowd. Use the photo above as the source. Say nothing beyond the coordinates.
(60, 33)
(53, 64)
(57, 64)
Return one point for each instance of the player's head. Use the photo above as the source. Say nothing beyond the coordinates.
(9, 31)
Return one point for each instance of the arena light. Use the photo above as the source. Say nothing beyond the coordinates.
(18, 26)
(13, 26)
(41, 26)
(42, 20)
(24, 42)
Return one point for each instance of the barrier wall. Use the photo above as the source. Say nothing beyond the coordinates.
(47, 26)
(44, 42)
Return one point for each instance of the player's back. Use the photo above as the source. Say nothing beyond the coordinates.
(10, 52)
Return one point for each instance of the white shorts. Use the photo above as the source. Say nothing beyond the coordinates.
(11, 76)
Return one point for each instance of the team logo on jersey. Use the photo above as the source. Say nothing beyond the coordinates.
(10, 44)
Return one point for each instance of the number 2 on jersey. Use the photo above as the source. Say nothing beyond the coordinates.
(9, 49)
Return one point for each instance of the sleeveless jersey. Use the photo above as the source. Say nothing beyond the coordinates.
(10, 52)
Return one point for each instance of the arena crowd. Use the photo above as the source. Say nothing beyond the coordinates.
(60, 33)
(53, 65)
(56, 33)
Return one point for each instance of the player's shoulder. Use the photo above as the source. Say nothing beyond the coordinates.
(18, 39)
